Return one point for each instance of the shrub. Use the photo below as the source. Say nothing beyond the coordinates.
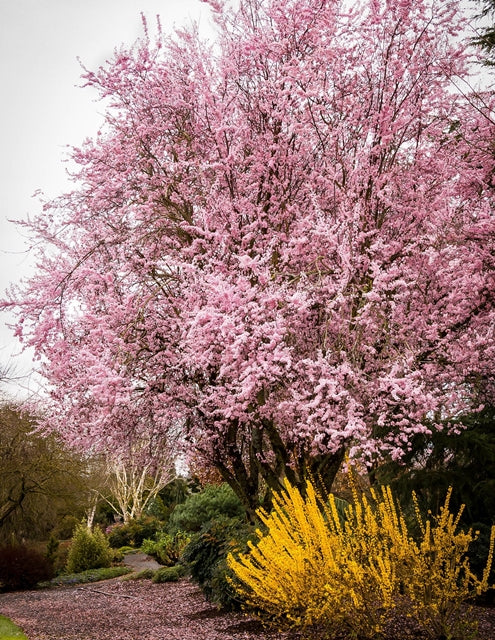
(52, 548)
(168, 574)
(88, 550)
(132, 533)
(22, 568)
(201, 508)
(438, 579)
(59, 558)
(206, 556)
(166, 548)
(311, 569)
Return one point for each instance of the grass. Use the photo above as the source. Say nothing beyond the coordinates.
(9, 631)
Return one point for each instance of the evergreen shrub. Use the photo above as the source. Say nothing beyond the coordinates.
(88, 550)
(311, 569)
(206, 558)
(22, 567)
(200, 508)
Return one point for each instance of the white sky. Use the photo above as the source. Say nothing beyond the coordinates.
(42, 108)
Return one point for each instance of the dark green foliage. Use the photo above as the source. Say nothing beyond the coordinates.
(89, 550)
(486, 37)
(52, 548)
(169, 574)
(201, 508)
(463, 459)
(206, 556)
(134, 532)
(22, 568)
(174, 493)
(166, 548)
(104, 514)
(59, 556)
(157, 509)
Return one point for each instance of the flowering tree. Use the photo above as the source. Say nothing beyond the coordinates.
(282, 242)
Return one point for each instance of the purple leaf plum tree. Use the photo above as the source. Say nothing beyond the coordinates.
(280, 243)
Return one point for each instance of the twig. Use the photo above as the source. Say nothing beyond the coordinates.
(106, 593)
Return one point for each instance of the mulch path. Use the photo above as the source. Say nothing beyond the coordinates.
(126, 610)
(138, 609)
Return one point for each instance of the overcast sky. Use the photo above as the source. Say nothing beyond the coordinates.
(42, 108)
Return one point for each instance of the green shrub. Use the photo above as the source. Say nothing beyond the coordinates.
(166, 548)
(22, 567)
(124, 550)
(206, 557)
(52, 548)
(132, 533)
(88, 550)
(59, 558)
(201, 508)
(169, 574)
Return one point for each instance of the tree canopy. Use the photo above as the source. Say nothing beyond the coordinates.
(40, 480)
(280, 243)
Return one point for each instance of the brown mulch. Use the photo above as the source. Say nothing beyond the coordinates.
(140, 610)
(126, 610)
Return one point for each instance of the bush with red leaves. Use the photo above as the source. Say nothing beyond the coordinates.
(22, 568)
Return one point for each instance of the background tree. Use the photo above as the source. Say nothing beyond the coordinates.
(136, 480)
(40, 480)
(486, 37)
(282, 242)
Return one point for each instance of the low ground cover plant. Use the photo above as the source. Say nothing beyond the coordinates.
(90, 575)
(314, 569)
(169, 574)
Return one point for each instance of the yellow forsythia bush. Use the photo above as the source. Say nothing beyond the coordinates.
(314, 568)
(438, 579)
